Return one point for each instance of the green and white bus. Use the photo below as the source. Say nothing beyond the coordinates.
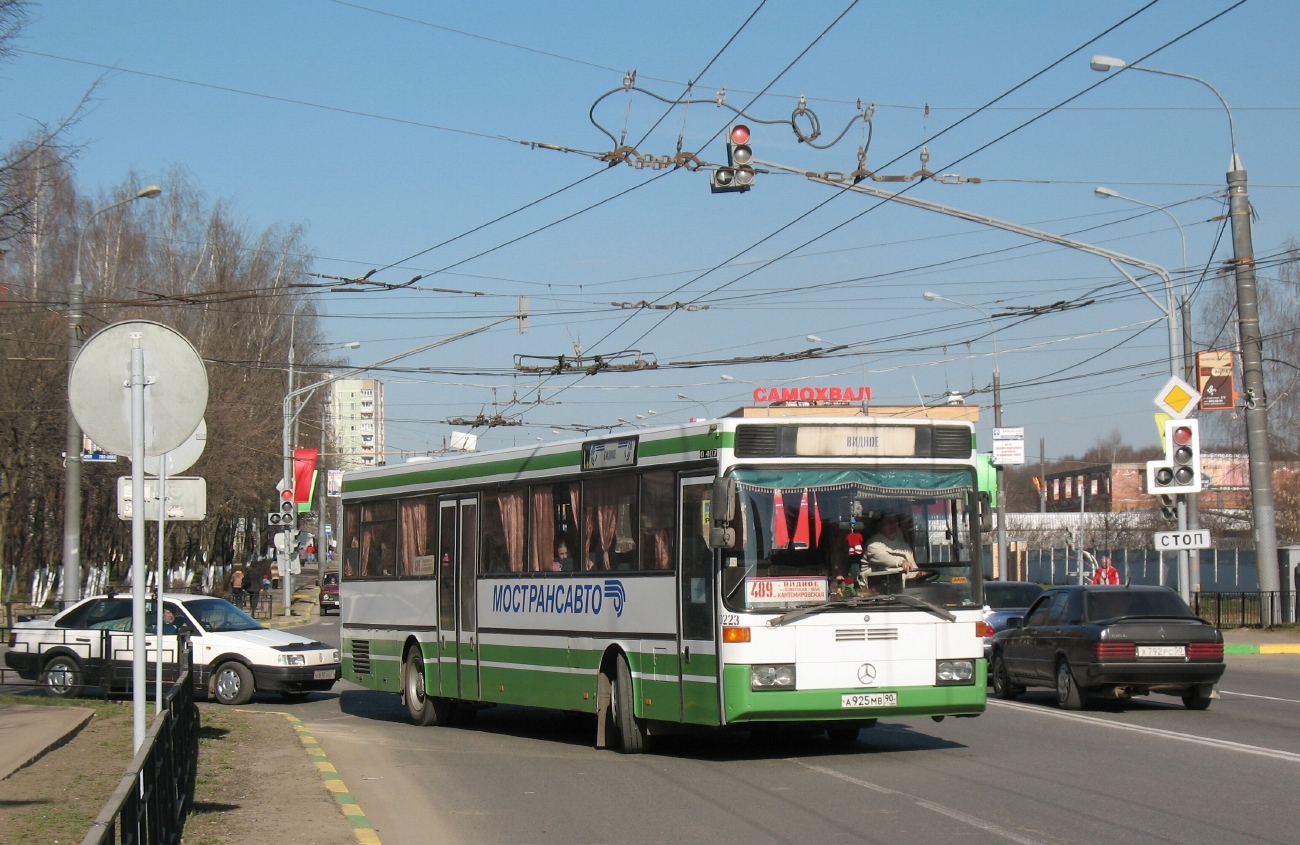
(709, 575)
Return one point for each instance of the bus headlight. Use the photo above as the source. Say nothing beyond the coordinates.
(771, 676)
(955, 672)
(293, 659)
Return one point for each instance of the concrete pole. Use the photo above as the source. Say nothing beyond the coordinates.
(1252, 379)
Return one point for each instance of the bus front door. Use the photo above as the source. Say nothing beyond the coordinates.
(696, 646)
(457, 601)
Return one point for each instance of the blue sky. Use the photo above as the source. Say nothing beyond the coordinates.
(393, 131)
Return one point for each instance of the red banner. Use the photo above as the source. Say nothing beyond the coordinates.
(304, 470)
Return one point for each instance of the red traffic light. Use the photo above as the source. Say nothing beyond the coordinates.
(740, 134)
(1182, 435)
(286, 495)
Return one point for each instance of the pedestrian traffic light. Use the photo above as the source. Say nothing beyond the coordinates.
(1180, 471)
(738, 175)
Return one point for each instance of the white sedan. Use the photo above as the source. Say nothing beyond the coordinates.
(91, 644)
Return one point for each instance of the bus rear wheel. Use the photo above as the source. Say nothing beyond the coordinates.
(632, 736)
(424, 709)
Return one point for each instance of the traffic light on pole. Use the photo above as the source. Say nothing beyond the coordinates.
(288, 509)
(738, 175)
(1180, 471)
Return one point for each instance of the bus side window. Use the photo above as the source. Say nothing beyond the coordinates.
(658, 519)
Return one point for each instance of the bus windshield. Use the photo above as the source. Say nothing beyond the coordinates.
(814, 535)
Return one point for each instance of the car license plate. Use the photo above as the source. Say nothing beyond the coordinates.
(1161, 651)
(869, 699)
(324, 674)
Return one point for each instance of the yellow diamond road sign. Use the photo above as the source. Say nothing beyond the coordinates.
(1177, 398)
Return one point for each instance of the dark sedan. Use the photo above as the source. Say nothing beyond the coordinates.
(1115, 642)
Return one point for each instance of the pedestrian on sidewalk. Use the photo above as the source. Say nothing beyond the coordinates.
(254, 588)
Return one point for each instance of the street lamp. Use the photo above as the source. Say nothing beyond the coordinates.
(1252, 344)
(290, 416)
(686, 398)
(997, 423)
(1102, 192)
(72, 445)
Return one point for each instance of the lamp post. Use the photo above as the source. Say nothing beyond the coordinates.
(686, 398)
(997, 423)
(290, 416)
(1187, 502)
(72, 445)
(1252, 347)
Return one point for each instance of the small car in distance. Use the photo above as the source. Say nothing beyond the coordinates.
(329, 593)
(91, 644)
(1111, 641)
(1002, 601)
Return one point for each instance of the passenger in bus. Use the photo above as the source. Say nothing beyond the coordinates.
(888, 549)
(564, 561)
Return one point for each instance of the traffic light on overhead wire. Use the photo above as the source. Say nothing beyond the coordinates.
(738, 175)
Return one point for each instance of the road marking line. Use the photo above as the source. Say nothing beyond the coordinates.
(1181, 737)
(987, 827)
(1265, 697)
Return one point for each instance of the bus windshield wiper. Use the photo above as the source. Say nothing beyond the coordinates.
(862, 601)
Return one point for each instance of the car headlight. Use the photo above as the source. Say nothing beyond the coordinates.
(336, 657)
(771, 676)
(955, 672)
(293, 659)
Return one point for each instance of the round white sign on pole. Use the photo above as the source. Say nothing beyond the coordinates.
(182, 457)
(176, 391)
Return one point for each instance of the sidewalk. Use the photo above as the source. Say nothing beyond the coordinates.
(1260, 641)
(30, 731)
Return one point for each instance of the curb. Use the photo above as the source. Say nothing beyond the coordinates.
(1276, 648)
(361, 827)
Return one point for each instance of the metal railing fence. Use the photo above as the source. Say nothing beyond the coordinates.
(152, 800)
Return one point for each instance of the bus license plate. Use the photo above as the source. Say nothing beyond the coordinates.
(869, 699)
(324, 675)
(1162, 651)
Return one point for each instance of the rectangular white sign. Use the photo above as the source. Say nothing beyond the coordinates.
(881, 441)
(1168, 541)
(1009, 446)
(778, 590)
(187, 498)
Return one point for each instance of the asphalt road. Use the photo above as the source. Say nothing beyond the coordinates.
(1146, 771)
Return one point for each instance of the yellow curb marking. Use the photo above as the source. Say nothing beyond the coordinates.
(1292, 648)
(365, 835)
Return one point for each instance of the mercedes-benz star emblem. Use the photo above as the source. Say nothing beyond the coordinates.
(866, 674)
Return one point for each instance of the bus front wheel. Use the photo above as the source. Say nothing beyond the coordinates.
(632, 735)
(424, 709)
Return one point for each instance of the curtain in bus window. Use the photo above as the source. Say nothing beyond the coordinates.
(512, 528)
(658, 519)
(352, 537)
(607, 548)
(415, 559)
(541, 556)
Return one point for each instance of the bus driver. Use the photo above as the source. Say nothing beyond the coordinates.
(887, 549)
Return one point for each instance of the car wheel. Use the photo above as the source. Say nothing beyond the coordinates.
(1002, 686)
(62, 677)
(1068, 694)
(1193, 699)
(233, 683)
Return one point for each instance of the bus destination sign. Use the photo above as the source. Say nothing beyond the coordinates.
(608, 454)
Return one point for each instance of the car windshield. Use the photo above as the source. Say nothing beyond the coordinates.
(1114, 604)
(811, 535)
(331, 579)
(1001, 596)
(220, 615)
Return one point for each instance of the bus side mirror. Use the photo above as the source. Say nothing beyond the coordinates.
(986, 512)
(722, 529)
